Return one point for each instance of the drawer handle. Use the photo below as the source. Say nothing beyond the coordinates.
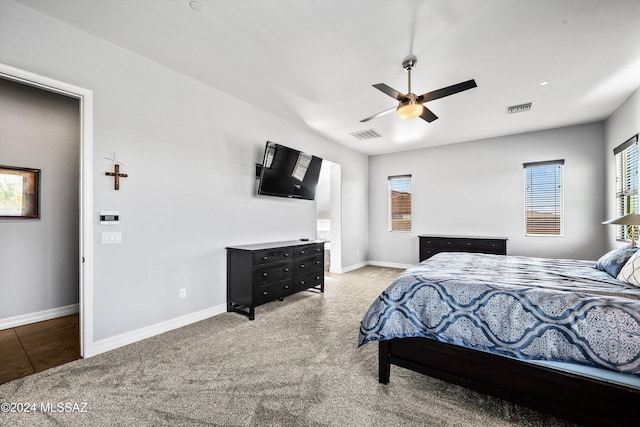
(265, 293)
(286, 270)
(317, 262)
(301, 265)
(286, 254)
(448, 243)
(317, 277)
(468, 244)
(286, 286)
(265, 274)
(301, 252)
(264, 258)
(302, 282)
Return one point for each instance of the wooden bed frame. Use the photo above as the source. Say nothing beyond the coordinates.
(571, 396)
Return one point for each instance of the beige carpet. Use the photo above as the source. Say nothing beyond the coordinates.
(297, 364)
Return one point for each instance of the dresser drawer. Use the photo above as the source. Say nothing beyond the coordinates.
(271, 256)
(491, 246)
(307, 265)
(266, 293)
(442, 244)
(317, 249)
(272, 273)
(427, 253)
(303, 251)
(308, 281)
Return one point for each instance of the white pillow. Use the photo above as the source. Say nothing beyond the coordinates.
(630, 273)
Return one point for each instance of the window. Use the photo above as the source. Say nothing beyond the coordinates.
(543, 198)
(626, 157)
(400, 203)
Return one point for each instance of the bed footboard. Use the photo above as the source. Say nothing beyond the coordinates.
(574, 397)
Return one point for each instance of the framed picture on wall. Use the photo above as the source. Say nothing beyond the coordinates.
(19, 193)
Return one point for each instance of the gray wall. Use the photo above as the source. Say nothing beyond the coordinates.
(39, 258)
(190, 152)
(622, 125)
(476, 188)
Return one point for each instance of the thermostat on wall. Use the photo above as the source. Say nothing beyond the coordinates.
(109, 218)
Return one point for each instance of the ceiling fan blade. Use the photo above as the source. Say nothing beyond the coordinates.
(428, 115)
(390, 91)
(382, 113)
(446, 91)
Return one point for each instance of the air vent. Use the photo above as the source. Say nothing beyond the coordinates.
(366, 134)
(519, 108)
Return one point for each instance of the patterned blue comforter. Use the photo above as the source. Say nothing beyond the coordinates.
(529, 308)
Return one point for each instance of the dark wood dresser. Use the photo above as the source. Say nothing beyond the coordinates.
(433, 244)
(257, 274)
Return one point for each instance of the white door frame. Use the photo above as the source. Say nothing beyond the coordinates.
(335, 265)
(85, 189)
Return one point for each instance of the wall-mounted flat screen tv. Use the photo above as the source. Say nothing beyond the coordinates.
(286, 172)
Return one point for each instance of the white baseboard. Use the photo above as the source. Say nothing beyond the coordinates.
(375, 263)
(349, 268)
(112, 343)
(38, 316)
(390, 264)
(117, 341)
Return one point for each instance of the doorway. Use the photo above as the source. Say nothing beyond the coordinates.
(84, 190)
(329, 214)
(39, 262)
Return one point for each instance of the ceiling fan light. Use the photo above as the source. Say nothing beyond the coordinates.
(410, 110)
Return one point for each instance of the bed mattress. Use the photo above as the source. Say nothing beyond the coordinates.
(522, 307)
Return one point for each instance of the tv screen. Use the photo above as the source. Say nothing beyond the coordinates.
(287, 172)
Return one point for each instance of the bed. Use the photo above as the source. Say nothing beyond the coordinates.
(556, 335)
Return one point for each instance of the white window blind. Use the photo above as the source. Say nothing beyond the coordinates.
(626, 158)
(400, 203)
(543, 198)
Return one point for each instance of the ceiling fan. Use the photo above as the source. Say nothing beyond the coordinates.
(412, 105)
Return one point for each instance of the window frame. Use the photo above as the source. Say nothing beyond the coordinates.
(621, 155)
(390, 219)
(559, 206)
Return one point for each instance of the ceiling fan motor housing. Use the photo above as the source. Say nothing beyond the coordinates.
(410, 107)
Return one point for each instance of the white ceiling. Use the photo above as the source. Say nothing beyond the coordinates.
(313, 62)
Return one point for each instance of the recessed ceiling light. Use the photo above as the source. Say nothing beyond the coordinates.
(544, 83)
(195, 5)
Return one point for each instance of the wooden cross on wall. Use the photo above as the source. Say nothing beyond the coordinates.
(116, 172)
(116, 175)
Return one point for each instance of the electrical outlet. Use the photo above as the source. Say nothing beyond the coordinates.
(183, 292)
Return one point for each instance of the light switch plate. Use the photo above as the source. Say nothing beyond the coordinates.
(110, 237)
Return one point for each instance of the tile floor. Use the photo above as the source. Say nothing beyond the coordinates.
(38, 346)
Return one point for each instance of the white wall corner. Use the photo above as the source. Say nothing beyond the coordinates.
(356, 266)
(349, 268)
